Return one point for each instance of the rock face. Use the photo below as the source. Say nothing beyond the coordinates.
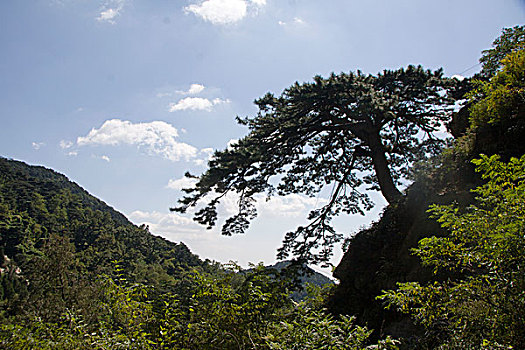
(380, 256)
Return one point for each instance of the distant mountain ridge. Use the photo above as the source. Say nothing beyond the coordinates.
(306, 276)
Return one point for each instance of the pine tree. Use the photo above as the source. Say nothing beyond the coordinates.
(350, 131)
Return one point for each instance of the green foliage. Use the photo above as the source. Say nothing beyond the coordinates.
(232, 309)
(351, 132)
(509, 41)
(483, 306)
(37, 203)
(503, 97)
(122, 324)
(252, 311)
(55, 281)
(313, 329)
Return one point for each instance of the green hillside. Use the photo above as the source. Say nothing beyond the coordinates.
(37, 203)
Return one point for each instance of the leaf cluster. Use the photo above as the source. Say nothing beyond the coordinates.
(510, 40)
(502, 99)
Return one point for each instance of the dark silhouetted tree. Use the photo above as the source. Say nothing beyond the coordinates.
(350, 131)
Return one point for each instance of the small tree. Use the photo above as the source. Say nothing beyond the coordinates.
(510, 40)
(502, 99)
(233, 309)
(349, 131)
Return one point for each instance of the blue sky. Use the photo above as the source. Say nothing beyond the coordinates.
(124, 96)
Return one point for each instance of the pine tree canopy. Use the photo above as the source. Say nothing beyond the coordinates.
(350, 132)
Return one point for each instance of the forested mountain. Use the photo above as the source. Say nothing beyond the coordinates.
(20, 180)
(36, 203)
(57, 242)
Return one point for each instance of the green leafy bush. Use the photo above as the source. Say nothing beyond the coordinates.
(484, 305)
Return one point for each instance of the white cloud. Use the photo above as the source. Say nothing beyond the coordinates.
(195, 103)
(218, 101)
(72, 153)
(219, 11)
(195, 89)
(65, 144)
(207, 154)
(296, 22)
(110, 11)
(292, 205)
(156, 137)
(37, 145)
(183, 182)
(108, 15)
(458, 77)
(289, 206)
(224, 11)
(106, 158)
(159, 217)
(172, 226)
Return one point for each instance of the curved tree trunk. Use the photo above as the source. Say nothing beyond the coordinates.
(384, 177)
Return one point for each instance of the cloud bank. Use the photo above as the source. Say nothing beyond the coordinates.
(157, 137)
(178, 227)
(172, 226)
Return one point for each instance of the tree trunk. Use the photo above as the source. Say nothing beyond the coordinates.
(384, 177)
